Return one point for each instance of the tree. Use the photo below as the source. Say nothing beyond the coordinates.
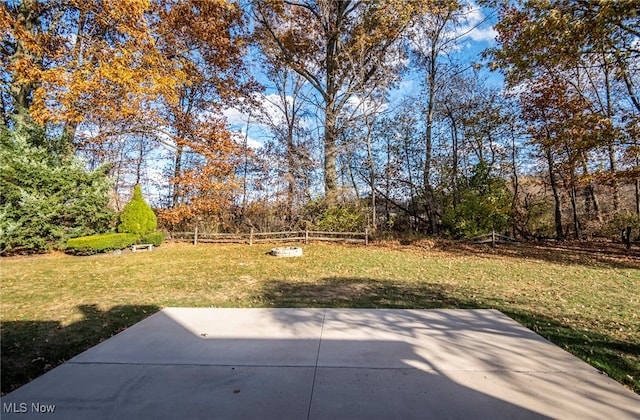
(591, 49)
(137, 217)
(475, 129)
(622, 225)
(93, 71)
(46, 198)
(72, 62)
(399, 137)
(289, 151)
(207, 184)
(207, 40)
(340, 47)
(431, 39)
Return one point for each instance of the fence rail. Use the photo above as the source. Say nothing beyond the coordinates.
(493, 238)
(261, 237)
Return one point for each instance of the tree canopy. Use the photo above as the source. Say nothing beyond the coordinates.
(280, 114)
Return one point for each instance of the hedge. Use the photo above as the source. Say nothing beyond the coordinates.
(155, 238)
(88, 245)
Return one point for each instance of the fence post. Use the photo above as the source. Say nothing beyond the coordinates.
(306, 236)
(251, 237)
(366, 236)
(493, 238)
(195, 236)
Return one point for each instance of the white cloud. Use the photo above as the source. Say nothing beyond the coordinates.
(270, 109)
(155, 175)
(483, 35)
(240, 137)
(475, 25)
(88, 131)
(361, 105)
(468, 26)
(270, 113)
(253, 144)
(235, 117)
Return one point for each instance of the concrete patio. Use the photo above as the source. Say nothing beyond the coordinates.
(324, 364)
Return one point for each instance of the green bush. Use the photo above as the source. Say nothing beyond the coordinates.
(616, 227)
(137, 217)
(89, 245)
(341, 218)
(485, 205)
(155, 238)
(47, 196)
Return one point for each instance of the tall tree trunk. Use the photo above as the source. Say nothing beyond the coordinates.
(610, 149)
(516, 184)
(614, 183)
(454, 158)
(387, 182)
(638, 196)
(291, 174)
(556, 196)
(574, 208)
(412, 189)
(350, 172)
(429, 199)
(139, 161)
(177, 172)
(22, 90)
(330, 155)
(590, 193)
(372, 179)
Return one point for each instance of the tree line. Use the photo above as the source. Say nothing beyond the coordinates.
(137, 92)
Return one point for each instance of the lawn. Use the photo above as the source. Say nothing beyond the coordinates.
(585, 300)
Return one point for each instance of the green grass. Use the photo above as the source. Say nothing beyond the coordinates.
(586, 301)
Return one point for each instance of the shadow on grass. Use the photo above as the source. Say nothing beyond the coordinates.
(618, 359)
(31, 348)
(592, 254)
(340, 292)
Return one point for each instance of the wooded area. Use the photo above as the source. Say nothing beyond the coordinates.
(370, 114)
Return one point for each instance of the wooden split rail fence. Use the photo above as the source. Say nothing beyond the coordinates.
(257, 237)
(493, 238)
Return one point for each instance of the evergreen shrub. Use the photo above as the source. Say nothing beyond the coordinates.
(155, 238)
(137, 217)
(46, 193)
(89, 245)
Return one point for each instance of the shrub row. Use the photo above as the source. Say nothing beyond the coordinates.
(89, 245)
(155, 238)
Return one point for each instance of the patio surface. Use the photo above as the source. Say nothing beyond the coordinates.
(324, 364)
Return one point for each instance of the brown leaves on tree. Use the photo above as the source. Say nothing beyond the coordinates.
(134, 69)
(86, 61)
